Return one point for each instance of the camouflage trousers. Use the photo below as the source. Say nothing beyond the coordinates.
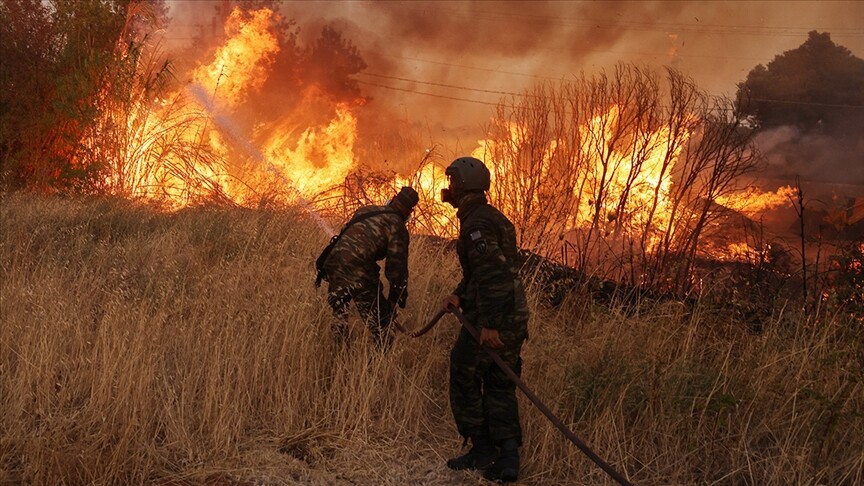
(482, 397)
(373, 308)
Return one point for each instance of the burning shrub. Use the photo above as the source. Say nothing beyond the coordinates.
(846, 281)
(622, 173)
(71, 60)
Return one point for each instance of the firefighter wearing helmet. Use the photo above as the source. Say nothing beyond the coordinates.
(492, 297)
(350, 266)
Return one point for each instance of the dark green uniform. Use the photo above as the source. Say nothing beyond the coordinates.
(354, 274)
(482, 397)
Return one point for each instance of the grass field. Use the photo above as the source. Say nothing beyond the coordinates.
(138, 346)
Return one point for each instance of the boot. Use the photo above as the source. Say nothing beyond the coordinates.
(480, 456)
(505, 469)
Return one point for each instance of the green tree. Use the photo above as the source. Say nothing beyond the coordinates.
(62, 65)
(819, 85)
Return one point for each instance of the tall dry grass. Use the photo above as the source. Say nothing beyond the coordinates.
(187, 348)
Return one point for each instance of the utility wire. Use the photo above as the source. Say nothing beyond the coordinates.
(465, 66)
(427, 94)
(528, 95)
(430, 83)
(810, 103)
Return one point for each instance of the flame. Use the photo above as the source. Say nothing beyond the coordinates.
(178, 151)
(627, 189)
(753, 201)
(433, 216)
(639, 180)
(321, 158)
(242, 64)
(673, 48)
(745, 252)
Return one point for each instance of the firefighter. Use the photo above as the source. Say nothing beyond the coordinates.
(374, 233)
(492, 298)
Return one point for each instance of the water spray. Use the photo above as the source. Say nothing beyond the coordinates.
(228, 127)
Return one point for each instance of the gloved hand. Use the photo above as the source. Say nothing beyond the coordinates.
(398, 296)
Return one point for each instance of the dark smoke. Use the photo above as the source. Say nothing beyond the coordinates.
(815, 158)
(493, 48)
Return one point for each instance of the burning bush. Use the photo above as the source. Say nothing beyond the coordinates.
(846, 281)
(621, 177)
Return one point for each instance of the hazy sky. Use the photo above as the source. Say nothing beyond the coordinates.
(505, 45)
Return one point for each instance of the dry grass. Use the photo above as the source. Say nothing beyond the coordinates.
(189, 348)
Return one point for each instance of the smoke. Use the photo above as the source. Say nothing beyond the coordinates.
(829, 171)
(818, 159)
(435, 69)
(443, 65)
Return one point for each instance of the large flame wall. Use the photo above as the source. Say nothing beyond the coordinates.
(616, 167)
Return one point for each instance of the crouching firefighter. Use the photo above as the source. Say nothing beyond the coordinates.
(349, 265)
(492, 298)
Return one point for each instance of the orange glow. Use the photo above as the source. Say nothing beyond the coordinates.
(745, 252)
(242, 64)
(753, 201)
(321, 158)
(432, 216)
(177, 152)
(632, 183)
(641, 186)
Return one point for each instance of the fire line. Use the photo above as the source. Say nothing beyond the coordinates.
(228, 127)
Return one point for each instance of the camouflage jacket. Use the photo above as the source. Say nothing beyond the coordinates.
(353, 261)
(491, 292)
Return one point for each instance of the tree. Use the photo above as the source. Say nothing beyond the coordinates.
(62, 65)
(27, 48)
(623, 170)
(330, 62)
(819, 85)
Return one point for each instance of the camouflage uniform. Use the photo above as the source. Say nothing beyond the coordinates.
(354, 274)
(482, 397)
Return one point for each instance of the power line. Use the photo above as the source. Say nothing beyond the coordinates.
(478, 90)
(427, 94)
(464, 66)
(811, 103)
(467, 100)
(524, 95)
(677, 55)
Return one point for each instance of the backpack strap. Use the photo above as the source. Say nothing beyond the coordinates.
(322, 258)
(361, 217)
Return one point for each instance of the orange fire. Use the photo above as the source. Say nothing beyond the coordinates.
(186, 149)
(283, 163)
(752, 201)
(644, 172)
(242, 64)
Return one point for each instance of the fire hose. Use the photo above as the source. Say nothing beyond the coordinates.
(425, 328)
(527, 391)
